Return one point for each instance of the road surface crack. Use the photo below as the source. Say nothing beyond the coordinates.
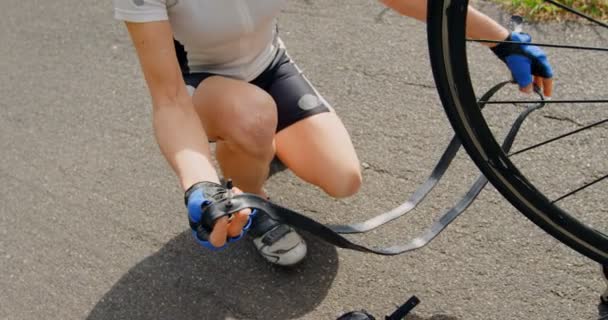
(379, 75)
(565, 119)
(368, 166)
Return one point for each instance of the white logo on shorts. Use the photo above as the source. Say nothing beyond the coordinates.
(308, 102)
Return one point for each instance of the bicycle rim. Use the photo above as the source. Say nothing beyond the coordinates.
(448, 52)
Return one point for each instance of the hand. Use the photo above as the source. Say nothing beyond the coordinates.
(526, 61)
(224, 229)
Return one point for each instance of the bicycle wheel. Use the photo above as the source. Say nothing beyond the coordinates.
(514, 176)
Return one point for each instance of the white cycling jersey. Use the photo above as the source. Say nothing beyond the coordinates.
(235, 38)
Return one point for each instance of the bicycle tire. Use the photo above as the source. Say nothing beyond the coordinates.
(448, 53)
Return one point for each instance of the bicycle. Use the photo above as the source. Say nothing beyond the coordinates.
(448, 51)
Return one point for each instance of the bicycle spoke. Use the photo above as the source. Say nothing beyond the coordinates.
(558, 137)
(542, 101)
(538, 44)
(576, 12)
(579, 189)
(522, 183)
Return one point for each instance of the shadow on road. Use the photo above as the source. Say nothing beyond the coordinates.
(602, 310)
(181, 281)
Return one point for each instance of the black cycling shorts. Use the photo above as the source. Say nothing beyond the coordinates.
(293, 94)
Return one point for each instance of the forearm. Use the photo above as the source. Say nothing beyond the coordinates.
(183, 141)
(177, 128)
(479, 26)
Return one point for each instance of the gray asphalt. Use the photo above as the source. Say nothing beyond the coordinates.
(92, 225)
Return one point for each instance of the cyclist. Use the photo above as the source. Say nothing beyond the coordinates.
(217, 71)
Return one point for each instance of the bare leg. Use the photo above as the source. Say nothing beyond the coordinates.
(246, 170)
(242, 118)
(318, 149)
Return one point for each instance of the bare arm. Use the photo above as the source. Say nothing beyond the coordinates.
(479, 26)
(177, 128)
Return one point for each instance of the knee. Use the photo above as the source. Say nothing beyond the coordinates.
(345, 183)
(245, 116)
(254, 133)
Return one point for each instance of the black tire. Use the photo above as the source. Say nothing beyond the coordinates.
(447, 45)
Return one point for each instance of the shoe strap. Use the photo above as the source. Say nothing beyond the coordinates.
(261, 224)
(272, 236)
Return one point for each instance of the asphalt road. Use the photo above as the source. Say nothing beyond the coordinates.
(92, 225)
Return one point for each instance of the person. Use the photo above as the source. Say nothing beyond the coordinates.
(217, 71)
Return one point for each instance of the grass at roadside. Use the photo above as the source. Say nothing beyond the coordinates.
(539, 10)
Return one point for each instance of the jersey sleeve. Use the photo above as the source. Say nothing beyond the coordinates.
(140, 10)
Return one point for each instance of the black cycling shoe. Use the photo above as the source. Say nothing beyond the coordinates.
(278, 243)
(357, 315)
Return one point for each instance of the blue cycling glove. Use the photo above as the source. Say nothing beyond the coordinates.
(197, 198)
(523, 60)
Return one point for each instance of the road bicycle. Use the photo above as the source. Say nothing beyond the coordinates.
(583, 228)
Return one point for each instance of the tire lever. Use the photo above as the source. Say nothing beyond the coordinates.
(404, 310)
